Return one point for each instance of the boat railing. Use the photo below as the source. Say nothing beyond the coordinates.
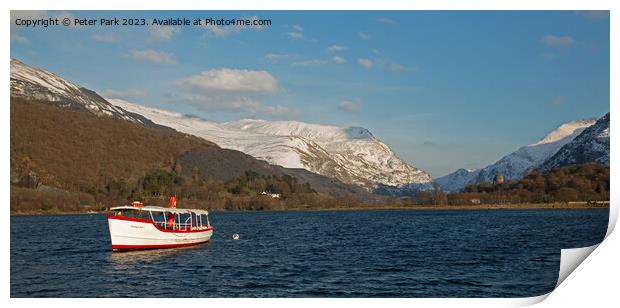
(185, 226)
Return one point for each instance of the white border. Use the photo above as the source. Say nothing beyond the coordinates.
(595, 281)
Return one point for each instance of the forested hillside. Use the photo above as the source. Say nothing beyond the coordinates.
(584, 182)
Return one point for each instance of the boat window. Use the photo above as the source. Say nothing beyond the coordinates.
(184, 220)
(128, 213)
(145, 215)
(159, 216)
(135, 214)
(194, 219)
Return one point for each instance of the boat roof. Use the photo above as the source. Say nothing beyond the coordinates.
(160, 209)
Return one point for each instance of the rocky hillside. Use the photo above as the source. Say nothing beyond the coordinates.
(591, 146)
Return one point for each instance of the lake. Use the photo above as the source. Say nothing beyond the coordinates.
(443, 253)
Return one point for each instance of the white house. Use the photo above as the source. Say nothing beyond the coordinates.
(272, 195)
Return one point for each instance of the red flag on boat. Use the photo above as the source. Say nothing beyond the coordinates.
(173, 202)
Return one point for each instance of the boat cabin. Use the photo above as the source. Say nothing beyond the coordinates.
(165, 218)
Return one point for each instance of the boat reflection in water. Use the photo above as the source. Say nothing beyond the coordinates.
(128, 260)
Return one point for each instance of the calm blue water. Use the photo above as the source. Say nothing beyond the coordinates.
(482, 253)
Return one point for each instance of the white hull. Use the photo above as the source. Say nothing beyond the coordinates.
(130, 234)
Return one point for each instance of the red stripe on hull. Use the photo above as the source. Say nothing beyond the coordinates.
(144, 247)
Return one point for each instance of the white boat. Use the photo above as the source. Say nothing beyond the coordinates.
(152, 227)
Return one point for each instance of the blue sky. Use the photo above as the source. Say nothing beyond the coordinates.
(444, 90)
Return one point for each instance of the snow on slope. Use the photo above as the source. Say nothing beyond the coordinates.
(35, 84)
(592, 145)
(352, 155)
(519, 163)
(456, 180)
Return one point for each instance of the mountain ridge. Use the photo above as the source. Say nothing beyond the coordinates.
(351, 154)
(518, 163)
(36, 84)
(592, 145)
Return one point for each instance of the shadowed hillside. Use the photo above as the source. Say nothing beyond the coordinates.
(77, 150)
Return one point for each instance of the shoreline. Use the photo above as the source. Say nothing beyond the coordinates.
(525, 206)
(472, 207)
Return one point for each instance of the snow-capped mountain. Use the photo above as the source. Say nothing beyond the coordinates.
(592, 145)
(35, 84)
(352, 154)
(457, 180)
(517, 164)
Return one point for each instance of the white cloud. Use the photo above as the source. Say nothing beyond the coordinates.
(108, 38)
(295, 35)
(124, 94)
(367, 63)
(338, 59)
(349, 106)
(387, 64)
(385, 20)
(152, 56)
(397, 67)
(294, 59)
(553, 40)
(280, 111)
(223, 31)
(334, 48)
(364, 35)
(311, 62)
(163, 32)
(233, 80)
(280, 57)
(233, 90)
